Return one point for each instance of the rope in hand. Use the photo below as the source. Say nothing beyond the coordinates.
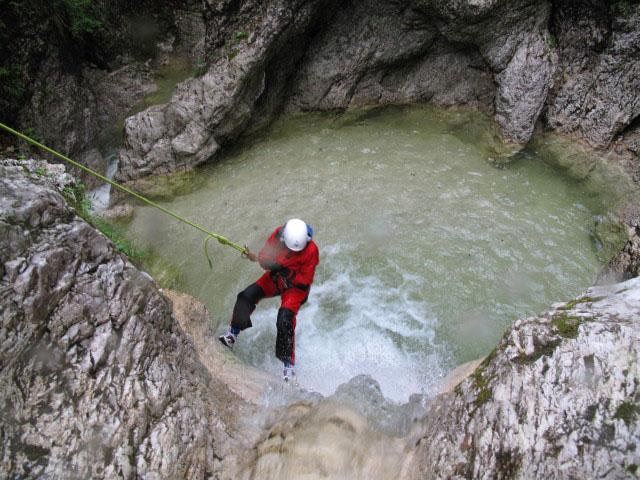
(246, 253)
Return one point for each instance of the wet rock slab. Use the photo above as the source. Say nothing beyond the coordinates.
(97, 378)
(558, 398)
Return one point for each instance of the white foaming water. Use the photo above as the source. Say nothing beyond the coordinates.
(355, 324)
(100, 195)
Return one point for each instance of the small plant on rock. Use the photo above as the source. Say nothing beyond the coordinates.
(621, 6)
(240, 36)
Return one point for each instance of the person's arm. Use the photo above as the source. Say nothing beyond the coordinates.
(303, 278)
(266, 257)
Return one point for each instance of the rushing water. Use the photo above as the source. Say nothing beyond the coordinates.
(429, 247)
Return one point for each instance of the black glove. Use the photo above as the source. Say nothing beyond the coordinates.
(274, 267)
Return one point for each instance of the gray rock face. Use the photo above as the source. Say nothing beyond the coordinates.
(73, 102)
(71, 111)
(208, 111)
(358, 53)
(595, 96)
(497, 55)
(382, 52)
(97, 379)
(511, 37)
(625, 264)
(557, 399)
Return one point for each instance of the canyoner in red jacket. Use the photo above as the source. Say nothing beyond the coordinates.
(289, 257)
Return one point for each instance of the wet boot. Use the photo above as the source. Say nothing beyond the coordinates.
(289, 374)
(228, 339)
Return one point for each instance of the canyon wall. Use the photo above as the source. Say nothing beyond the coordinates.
(527, 63)
(97, 378)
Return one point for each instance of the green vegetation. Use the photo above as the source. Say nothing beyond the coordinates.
(626, 412)
(240, 36)
(163, 272)
(577, 301)
(621, 6)
(12, 86)
(75, 195)
(70, 17)
(115, 234)
(540, 351)
(31, 133)
(552, 41)
(481, 382)
(201, 69)
(567, 326)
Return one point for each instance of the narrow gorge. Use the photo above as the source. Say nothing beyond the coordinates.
(471, 172)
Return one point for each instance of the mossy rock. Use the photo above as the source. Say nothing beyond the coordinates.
(605, 180)
(165, 187)
(611, 235)
(163, 272)
(627, 412)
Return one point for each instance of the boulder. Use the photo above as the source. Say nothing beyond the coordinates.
(557, 398)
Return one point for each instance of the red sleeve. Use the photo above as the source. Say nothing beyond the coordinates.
(270, 250)
(305, 275)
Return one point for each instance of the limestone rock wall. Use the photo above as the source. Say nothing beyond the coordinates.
(211, 110)
(97, 378)
(558, 398)
(595, 93)
(574, 68)
(381, 52)
(77, 88)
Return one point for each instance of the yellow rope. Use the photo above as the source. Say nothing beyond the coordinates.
(220, 238)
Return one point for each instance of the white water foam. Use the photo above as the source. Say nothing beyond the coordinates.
(355, 324)
(100, 195)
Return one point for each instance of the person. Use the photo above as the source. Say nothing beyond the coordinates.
(289, 257)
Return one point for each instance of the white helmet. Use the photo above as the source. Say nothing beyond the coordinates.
(295, 234)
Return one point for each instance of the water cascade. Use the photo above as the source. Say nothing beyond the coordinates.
(430, 244)
(166, 78)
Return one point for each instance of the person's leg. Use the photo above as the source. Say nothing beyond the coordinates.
(248, 299)
(246, 302)
(245, 305)
(292, 299)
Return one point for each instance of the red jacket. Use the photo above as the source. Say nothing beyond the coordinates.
(297, 268)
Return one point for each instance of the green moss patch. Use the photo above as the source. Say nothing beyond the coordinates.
(577, 301)
(626, 412)
(481, 382)
(541, 350)
(115, 234)
(566, 326)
